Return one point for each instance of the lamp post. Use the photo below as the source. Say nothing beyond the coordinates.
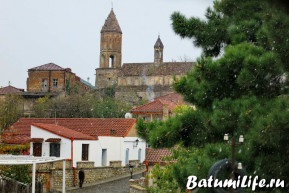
(130, 169)
(135, 143)
(233, 153)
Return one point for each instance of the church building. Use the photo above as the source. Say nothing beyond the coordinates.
(134, 81)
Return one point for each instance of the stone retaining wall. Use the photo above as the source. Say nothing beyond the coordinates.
(138, 186)
(92, 175)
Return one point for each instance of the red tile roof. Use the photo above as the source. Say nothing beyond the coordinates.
(156, 106)
(36, 140)
(49, 66)
(10, 90)
(172, 97)
(155, 156)
(53, 140)
(63, 131)
(11, 138)
(19, 132)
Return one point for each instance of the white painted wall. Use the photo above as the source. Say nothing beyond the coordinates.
(116, 147)
(94, 151)
(113, 146)
(129, 142)
(65, 144)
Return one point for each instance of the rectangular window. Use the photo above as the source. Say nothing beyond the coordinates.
(44, 86)
(54, 82)
(37, 149)
(104, 157)
(54, 149)
(85, 148)
(127, 156)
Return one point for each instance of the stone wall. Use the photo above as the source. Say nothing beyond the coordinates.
(106, 77)
(115, 163)
(146, 80)
(92, 174)
(110, 44)
(138, 186)
(133, 94)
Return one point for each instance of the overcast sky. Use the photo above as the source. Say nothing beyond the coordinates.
(67, 33)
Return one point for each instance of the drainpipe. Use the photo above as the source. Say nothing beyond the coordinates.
(74, 169)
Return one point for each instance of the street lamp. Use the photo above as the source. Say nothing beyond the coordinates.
(136, 143)
(233, 148)
(130, 169)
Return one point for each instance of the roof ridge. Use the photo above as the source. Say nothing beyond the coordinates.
(145, 104)
(42, 126)
(10, 89)
(48, 66)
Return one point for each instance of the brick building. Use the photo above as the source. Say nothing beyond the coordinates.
(134, 81)
(52, 78)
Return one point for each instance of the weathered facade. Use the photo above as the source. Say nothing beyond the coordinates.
(110, 53)
(134, 81)
(51, 78)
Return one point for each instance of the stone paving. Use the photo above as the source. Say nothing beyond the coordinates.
(117, 185)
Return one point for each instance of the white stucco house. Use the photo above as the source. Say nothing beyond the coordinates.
(87, 139)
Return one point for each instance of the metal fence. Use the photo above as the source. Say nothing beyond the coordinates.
(8, 185)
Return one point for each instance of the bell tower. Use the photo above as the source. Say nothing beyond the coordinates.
(158, 51)
(110, 52)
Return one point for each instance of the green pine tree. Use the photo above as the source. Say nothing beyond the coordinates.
(239, 86)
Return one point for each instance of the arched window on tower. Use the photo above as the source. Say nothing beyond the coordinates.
(111, 61)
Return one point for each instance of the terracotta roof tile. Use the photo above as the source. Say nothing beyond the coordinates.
(89, 126)
(15, 139)
(152, 107)
(111, 24)
(156, 106)
(63, 131)
(49, 66)
(53, 140)
(173, 97)
(36, 140)
(10, 90)
(150, 69)
(155, 156)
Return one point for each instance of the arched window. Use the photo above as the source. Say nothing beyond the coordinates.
(111, 61)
